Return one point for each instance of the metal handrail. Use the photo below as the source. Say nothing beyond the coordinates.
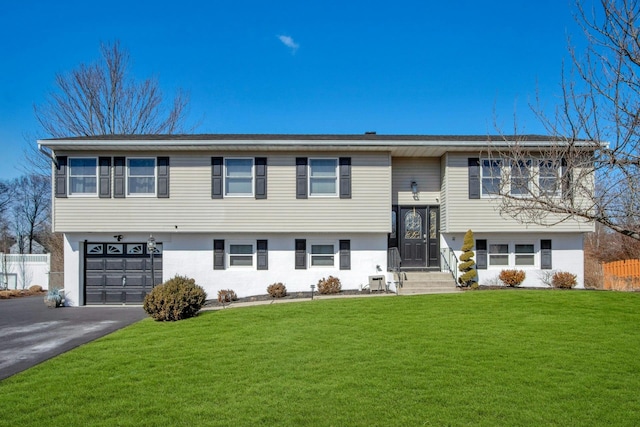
(450, 261)
(394, 263)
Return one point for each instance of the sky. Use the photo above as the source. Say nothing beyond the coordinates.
(311, 67)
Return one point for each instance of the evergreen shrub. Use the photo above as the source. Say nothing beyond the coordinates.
(469, 274)
(178, 298)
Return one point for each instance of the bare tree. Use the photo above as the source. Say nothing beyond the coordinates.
(30, 209)
(103, 99)
(590, 170)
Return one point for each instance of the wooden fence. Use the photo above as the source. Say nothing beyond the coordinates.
(622, 275)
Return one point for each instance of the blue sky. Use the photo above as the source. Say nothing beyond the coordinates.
(401, 67)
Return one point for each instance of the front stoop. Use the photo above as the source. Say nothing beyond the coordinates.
(421, 282)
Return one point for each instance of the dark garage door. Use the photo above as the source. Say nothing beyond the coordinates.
(119, 273)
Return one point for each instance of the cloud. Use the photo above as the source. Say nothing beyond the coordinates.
(288, 42)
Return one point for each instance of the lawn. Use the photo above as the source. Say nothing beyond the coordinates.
(564, 358)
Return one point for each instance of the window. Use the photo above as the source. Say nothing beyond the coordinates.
(549, 172)
(141, 176)
(499, 254)
(323, 177)
(238, 177)
(83, 176)
(520, 177)
(525, 254)
(322, 255)
(240, 255)
(491, 175)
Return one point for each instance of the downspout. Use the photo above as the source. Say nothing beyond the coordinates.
(48, 154)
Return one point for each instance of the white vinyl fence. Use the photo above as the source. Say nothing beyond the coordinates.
(22, 271)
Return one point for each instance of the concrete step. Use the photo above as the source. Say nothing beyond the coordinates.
(427, 282)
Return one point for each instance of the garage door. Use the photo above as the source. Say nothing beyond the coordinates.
(120, 273)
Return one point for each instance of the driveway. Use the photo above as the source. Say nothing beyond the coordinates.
(31, 333)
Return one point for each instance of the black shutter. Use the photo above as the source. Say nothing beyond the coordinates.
(263, 254)
(261, 177)
(104, 177)
(218, 254)
(345, 177)
(119, 176)
(474, 178)
(301, 177)
(61, 177)
(301, 254)
(345, 255)
(566, 181)
(216, 177)
(481, 254)
(545, 255)
(163, 177)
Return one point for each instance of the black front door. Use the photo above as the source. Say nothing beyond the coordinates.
(412, 237)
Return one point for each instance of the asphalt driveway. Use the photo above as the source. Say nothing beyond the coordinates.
(31, 333)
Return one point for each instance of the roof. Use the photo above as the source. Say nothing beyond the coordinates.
(398, 145)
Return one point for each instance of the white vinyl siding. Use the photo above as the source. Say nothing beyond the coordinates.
(191, 209)
(141, 176)
(83, 176)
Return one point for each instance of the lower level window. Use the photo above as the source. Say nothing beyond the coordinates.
(240, 255)
(499, 254)
(322, 255)
(525, 255)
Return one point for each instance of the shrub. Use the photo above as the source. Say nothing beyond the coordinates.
(466, 267)
(36, 289)
(178, 298)
(5, 294)
(277, 290)
(564, 280)
(330, 285)
(226, 296)
(512, 278)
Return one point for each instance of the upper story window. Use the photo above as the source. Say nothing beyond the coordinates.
(141, 176)
(491, 176)
(549, 177)
(238, 177)
(83, 176)
(520, 178)
(323, 177)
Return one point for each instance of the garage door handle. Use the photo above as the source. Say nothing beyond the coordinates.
(124, 281)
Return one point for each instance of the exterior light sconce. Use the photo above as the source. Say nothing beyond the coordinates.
(151, 248)
(414, 190)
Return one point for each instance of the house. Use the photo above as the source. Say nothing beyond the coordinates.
(244, 211)
(22, 246)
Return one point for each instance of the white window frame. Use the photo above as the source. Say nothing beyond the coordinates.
(311, 255)
(226, 179)
(229, 255)
(335, 178)
(531, 255)
(483, 191)
(557, 177)
(69, 178)
(527, 166)
(155, 177)
(490, 254)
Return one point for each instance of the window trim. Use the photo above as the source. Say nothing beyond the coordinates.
(70, 176)
(490, 254)
(336, 177)
(558, 178)
(527, 166)
(228, 255)
(311, 255)
(225, 177)
(501, 164)
(128, 176)
(516, 254)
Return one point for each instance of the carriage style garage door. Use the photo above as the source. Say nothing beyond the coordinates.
(119, 273)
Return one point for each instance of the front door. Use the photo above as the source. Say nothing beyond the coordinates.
(412, 237)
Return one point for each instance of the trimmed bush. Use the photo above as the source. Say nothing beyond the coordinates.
(36, 289)
(331, 285)
(178, 298)
(226, 295)
(469, 274)
(564, 280)
(277, 290)
(512, 278)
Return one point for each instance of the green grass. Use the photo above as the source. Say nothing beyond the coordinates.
(564, 358)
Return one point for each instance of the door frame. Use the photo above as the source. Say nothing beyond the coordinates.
(431, 241)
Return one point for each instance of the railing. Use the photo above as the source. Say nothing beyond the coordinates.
(394, 263)
(449, 262)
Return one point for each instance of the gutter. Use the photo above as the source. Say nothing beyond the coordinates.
(47, 153)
